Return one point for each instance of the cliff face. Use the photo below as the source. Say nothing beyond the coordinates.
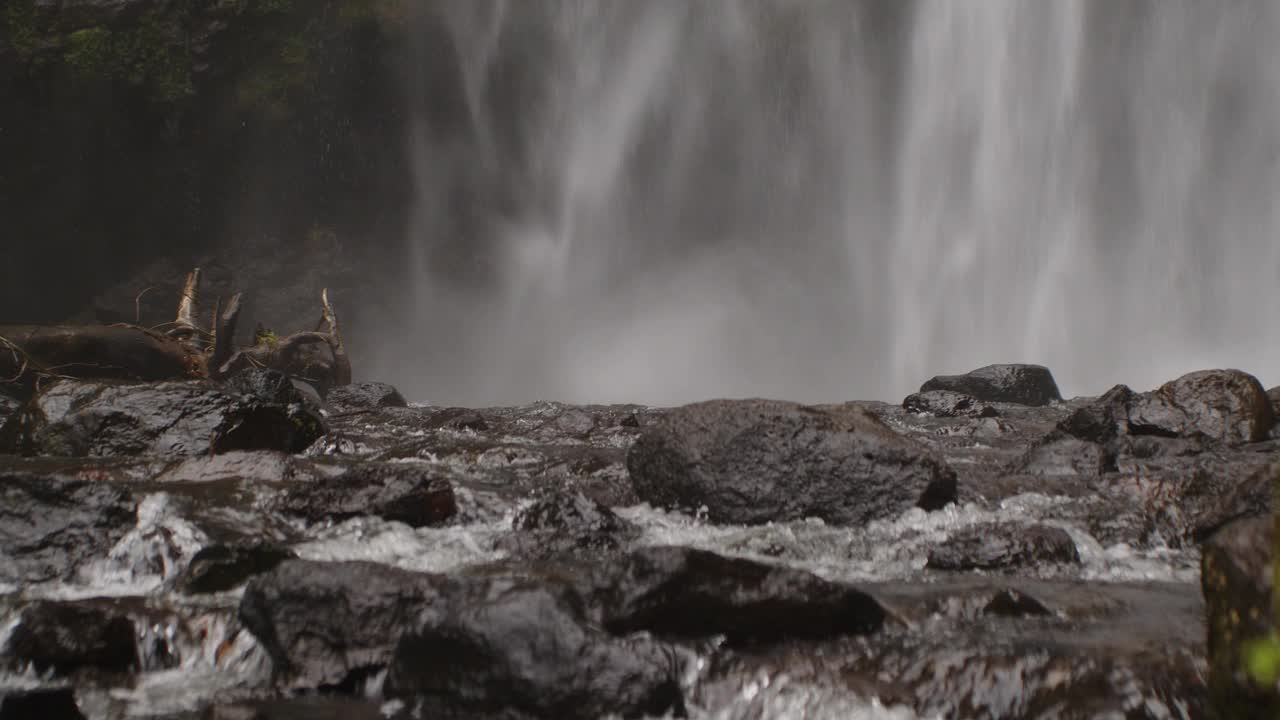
(139, 129)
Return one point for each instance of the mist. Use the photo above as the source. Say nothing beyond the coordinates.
(665, 201)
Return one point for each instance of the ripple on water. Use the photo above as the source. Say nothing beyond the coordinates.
(898, 549)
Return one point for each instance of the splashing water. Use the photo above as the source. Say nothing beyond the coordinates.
(666, 201)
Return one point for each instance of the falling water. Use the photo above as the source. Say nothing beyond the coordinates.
(662, 201)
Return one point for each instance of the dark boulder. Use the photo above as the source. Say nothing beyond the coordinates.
(364, 396)
(514, 648)
(217, 568)
(1014, 604)
(1102, 420)
(757, 461)
(328, 624)
(1235, 576)
(411, 493)
(1273, 395)
(1216, 492)
(44, 704)
(263, 385)
(89, 418)
(1225, 405)
(568, 524)
(68, 636)
(945, 403)
(684, 592)
(1018, 384)
(1059, 454)
(49, 523)
(999, 547)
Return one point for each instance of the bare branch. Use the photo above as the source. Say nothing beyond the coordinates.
(190, 297)
(224, 337)
(137, 305)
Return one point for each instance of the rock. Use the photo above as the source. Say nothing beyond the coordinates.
(263, 385)
(92, 418)
(996, 547)
(9, 406)
(217, 568)
(512, 648)
(49, 523)
(1059, 454)
(1236, 578)
(945, 403)
(1012, 603)
(45, 704)
(568, 524)
(1216, 495)
(68, 636)
(694, 593)
(411, 493)
(1225, 405)
(1102, 420)
(1018, 384)
(757, 461)
(1274, 396)
(364, 396)
(326, 624)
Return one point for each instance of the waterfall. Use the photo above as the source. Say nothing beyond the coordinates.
(665, 201)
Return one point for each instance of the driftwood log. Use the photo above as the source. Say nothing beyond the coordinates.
(31, 355)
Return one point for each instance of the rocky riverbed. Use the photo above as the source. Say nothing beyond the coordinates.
(249, 550)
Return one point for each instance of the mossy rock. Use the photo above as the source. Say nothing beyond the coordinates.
(1237, 571)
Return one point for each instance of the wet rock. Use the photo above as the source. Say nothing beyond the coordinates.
(217, 568)
(1225, 405)
(521, 649)
(9, 406)
(568, 524)
(1012, 603)
(88, 418)
(1018, 384)
(263, 385)
(1059, 454)
(49, 523)
(44, 703)
(694, 593)
(756, 461)
(328, 624)
(1217, 491)
(997, 547)
(1236, 578)
(64, 637)
(1102, 420)
(945, 403)
(268, 466)
(364, 396)
(411, 493)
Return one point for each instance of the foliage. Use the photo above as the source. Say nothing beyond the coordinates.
(20, 22)
(150, 55)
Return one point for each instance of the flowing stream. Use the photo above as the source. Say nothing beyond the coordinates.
(665, 201)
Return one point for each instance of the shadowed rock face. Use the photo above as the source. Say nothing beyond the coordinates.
(1005, 548)
(1019, 384)
(66, 637)
(49, 523)
(756, 461)
(91, 418)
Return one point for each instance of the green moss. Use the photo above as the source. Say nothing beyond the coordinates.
(272, 84)
(89, 52)
(151, 55)
(20, 23)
